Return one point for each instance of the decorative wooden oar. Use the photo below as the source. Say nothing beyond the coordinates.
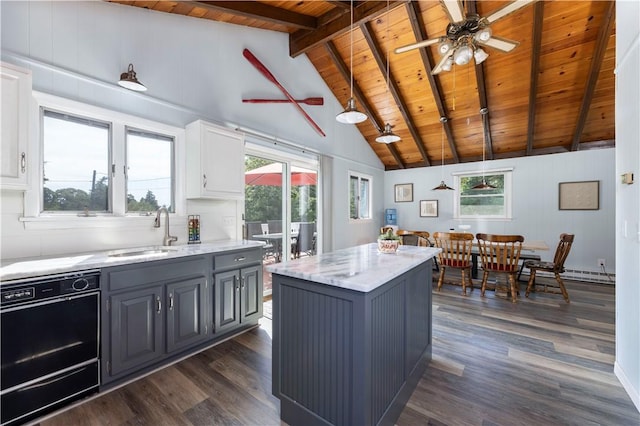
(306, 101)
(264, 71)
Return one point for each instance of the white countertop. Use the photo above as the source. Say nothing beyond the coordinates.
(361, 268)
(39, 266)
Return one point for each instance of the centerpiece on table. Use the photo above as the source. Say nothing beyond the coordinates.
(388, 242)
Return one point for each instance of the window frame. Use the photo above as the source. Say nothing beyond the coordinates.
(360, 176)
(36, 219)
(508, 194)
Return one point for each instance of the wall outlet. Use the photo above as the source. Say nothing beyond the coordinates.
(601, 263)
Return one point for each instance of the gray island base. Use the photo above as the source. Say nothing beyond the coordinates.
(351, 334)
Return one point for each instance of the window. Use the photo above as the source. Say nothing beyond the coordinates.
(486, 203)
(149, 174)
(99, 162)
(359, 196)
(76, 162)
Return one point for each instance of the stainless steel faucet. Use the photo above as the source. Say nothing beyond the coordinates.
(168, 239)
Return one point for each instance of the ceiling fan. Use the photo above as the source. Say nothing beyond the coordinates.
(466, 33)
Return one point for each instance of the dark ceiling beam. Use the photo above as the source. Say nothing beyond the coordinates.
(359, 96)
(260, 11)
(596, 62)
(482, 99)
(374, 46)
(536, 42)
(302, 41)
(415, 18)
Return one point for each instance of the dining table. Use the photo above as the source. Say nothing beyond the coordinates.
(275, 239)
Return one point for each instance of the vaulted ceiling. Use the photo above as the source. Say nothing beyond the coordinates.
(553, 93)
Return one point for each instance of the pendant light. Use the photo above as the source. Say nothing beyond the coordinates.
(387, 135)
(129, 80)
(483, 185)
(442, 186)
(351, 115)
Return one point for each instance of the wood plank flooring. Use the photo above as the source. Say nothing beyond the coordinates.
(537, 362)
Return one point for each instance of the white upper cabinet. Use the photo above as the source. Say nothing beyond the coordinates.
(16, 92)
(215, 162)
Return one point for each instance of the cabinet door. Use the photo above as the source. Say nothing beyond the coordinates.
(215, 159)
(16, 92)
(186, 323)
(227, 300)
(251, 293)
(136, 329)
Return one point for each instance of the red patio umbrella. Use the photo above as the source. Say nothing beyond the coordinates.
(271, 174)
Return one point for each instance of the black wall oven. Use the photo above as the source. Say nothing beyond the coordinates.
(50, 343)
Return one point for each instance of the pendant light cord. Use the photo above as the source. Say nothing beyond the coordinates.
(388, 44)
(351, 49)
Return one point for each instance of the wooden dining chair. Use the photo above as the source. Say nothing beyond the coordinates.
(557, 267)
(500, 254)
(456, 253)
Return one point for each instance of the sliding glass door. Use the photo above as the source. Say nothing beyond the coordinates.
(281, 205)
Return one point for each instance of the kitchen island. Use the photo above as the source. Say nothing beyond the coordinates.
(351, 334)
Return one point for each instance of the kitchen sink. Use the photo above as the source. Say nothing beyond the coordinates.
(142, 251)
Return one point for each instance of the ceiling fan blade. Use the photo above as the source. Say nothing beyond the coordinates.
(507, 10)
(500, 43)
(438, 67)
(417, 45)
(454, 9)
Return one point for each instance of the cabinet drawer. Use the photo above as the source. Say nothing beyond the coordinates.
(237, 259)
(138, 275)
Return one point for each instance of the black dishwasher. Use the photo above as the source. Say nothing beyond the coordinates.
(50, 343)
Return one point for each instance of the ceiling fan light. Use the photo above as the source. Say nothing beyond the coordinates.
(448, 64)
(128, 80)
(351, 115)
(387, 136)
(444, 47)
(463, 55)
(480, 55)
(483, 35)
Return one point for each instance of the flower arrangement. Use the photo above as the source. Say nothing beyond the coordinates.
(388, 242)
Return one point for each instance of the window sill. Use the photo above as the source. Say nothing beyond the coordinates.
(90, 222)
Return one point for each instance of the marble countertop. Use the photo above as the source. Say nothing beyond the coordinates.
(40, 266)
(361, 268)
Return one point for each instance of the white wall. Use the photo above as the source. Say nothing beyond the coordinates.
(535, 203)
(627, 231)
(193, 69)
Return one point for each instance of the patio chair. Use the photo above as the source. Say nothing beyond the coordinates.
(305, 242)
(456, 253)
(557, 267)
(500, 254)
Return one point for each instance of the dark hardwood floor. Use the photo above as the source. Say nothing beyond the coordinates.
(537, 362)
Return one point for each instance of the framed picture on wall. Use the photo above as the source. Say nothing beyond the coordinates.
(579, 195)
(428, 208)
(403, 192)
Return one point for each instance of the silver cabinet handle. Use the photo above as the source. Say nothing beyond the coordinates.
(159, 303)
(204, 181)
(242, 282)
(239, 259)
(23, 162)
(171, 301)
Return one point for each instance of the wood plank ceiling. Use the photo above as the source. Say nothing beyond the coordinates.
(552, 93)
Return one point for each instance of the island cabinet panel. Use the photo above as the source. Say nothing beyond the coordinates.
(345, 357)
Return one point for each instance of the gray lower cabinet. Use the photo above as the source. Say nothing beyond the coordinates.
(155, 312)
(237, 290)
(186, 313)
(136, 329)
(152, 311)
